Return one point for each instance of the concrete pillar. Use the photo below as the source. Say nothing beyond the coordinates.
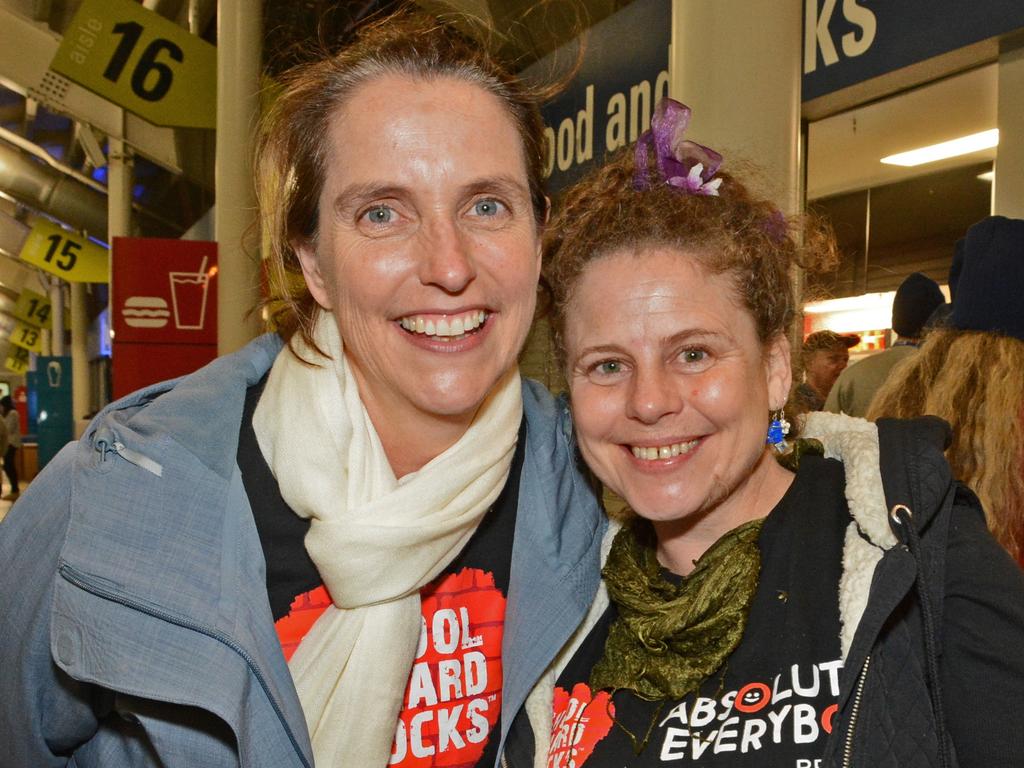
(81, 397)
(737, 64)
(57, 317)
(120, 166)
(239, 34)
(1008, 190)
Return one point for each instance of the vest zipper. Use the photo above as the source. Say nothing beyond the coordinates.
(80, 581)
(854, 710)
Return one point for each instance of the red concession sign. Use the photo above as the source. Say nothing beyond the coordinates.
(163, 308)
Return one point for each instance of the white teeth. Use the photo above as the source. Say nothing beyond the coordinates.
(448, 327)
(645, 453)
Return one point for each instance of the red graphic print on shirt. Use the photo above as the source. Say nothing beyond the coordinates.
(579, 723)
(453, 700)
(302, 615)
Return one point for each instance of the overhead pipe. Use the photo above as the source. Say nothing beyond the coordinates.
(50, 191)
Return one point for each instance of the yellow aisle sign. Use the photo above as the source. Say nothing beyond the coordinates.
(27, 337)
(65, 254)
(17, 359)
(141, 61)
(33, 308)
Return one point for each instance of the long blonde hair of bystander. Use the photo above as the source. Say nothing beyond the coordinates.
(975, 381)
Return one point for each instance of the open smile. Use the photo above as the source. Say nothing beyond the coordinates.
(663, 452)
(445, 327)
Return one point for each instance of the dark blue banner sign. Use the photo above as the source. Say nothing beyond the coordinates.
(624, 71)
(849, 41)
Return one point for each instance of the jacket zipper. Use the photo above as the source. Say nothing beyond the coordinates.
(854, 710)
(126, 453)
(73, 576)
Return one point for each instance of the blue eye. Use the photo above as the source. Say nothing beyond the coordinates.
(379, 214)
(609, 367)
(487, 207)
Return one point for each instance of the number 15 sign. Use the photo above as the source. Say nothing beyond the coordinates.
(141, 61)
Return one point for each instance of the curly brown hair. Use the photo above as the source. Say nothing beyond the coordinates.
(972, 379)
(736, 233)
(291, 147)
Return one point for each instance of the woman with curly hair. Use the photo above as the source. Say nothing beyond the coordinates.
(971, 373)
(848, 608)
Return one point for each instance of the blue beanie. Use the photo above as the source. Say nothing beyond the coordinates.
(990, 285)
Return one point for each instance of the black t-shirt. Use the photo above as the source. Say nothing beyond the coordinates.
(453, 699)
(774, 700)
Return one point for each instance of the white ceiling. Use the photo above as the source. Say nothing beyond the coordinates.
(843, 151)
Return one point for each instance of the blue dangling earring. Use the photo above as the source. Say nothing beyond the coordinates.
(777, 431)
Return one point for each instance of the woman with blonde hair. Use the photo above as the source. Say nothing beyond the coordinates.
(971, 373)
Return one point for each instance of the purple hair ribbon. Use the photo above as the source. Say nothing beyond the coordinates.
(683, 164)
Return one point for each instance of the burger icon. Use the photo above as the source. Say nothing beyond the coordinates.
(145, 312)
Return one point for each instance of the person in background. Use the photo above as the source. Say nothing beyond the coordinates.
(825, 354)
(754, 616)
(971, 373)
(359, 540)
(915, 303)
(10, 442)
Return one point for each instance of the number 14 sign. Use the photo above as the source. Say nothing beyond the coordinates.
(141, 61)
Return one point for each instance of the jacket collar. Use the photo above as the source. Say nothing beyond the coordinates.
(556, 549)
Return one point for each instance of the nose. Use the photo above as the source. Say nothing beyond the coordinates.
(654, 394)
(447, 258)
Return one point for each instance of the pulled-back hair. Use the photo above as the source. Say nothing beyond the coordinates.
(973, 380)
(291, 153)
(736, 233)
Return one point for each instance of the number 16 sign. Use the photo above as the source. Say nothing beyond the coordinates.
(141, 61)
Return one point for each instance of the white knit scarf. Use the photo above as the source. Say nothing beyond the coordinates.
(375, 540)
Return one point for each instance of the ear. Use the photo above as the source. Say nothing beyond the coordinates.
(778, 371)
(309, 260)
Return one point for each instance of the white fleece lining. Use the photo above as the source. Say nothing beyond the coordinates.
(855, 443)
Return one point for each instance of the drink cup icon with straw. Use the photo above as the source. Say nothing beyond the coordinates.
(188, 296)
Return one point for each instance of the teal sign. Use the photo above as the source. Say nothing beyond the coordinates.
(55, 424)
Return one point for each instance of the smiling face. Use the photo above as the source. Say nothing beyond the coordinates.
(671, 390)
(427, 251)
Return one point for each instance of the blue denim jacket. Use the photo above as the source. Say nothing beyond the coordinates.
(135, 627)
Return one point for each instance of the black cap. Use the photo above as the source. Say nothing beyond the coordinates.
(916, 299)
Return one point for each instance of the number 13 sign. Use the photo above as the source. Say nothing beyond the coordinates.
(141, 61)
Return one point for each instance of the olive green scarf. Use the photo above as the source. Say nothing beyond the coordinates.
(669, 638)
